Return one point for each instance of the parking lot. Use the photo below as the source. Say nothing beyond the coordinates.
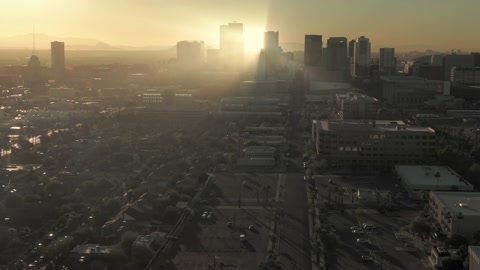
(211, 241)
(216, 240)
(380, 246)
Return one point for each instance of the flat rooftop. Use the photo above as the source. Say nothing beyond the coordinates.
(402, 78)
(325, 86)
(466, 202)
(362, 125)
(419, 177)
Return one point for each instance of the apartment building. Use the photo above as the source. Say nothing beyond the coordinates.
(456, 212)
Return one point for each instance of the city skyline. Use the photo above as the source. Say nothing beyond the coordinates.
(400, 25)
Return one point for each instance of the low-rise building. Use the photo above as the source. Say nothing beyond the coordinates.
(410, 91)
(90, 250)
(438, 255)
(444, 102)
(456, 212)
(375, 145)
(420, 179)
(358, 106)
(259, 151)
(465, 75)
(474, 258)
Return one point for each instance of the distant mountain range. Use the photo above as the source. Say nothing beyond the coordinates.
(42, 42)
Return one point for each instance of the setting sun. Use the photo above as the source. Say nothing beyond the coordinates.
(253, 38)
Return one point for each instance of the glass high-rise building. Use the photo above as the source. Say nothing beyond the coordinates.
(313, 50)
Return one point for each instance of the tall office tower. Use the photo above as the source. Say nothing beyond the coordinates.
(313, 50)
(362, 56)
(351, 48)
(57, 50)
(270, 41)
(335, 56)
(190, 52)
(232, 46)
(387, 59)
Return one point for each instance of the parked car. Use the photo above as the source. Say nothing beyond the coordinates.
(205, 214)
(363, 240)
(229, 224)
(251, 228)
(358, 232)
(243, 238)
(355, 228)
(210, 216)
(367, 258)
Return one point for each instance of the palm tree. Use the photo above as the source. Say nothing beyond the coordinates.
(459, 217)
(476, 236)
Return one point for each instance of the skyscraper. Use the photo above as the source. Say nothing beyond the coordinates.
(362, 56)
(270, 41)
(313, 50)
(335, 56)
(387, 59)
(190, 52)
(351, 48)
(231, 46)
(57, 50)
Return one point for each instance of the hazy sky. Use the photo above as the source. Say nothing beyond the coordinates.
(437, 24)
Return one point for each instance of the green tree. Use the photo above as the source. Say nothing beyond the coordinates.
(330, 242)
(127, 240)
(455, 241)
(421, 227)
(13, 201)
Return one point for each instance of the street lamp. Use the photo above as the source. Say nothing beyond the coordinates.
(437, 175)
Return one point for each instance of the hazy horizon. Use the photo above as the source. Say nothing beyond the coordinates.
(401, 25)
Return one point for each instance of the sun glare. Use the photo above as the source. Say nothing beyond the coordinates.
(253, 39)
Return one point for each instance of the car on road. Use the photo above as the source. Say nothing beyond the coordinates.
(355, 228)
(243, 238)
(367, 258)
(368, 225)
(251, 228)
(205, 214)
(363, 240)
(358, 232)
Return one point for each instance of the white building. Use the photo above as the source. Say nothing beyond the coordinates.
(418, 179)
(456, 212)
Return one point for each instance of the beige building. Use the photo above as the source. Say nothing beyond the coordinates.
(375, 145)
(456, 212)
(358, 106)
(465, 75)
(474, 258)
